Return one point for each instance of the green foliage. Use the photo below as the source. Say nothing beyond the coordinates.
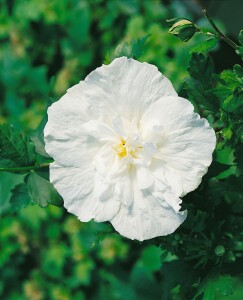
(16, 149)
(182, 28)
(200, 83)
(202, 243)
(42, 191)
(7, 183)
(134, 49)
(239, 49)
(20, 197)
(205, 45)
(37, 137)
(151, 258)
(42, 248)
(216, 285)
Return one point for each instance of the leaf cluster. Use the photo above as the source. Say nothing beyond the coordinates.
(18, 155)
(203, 259)
(210, 241)
(16, 149)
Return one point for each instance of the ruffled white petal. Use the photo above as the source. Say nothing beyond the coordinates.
(186, 145)
(100, 131)
(84, 193)
(146, 218)
(126, 87)
(65, 139)
(124, 189)
(144, 178)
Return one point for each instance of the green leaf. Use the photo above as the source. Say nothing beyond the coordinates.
(200, 97)
(214, 286)
(239, 49)
(238, 71)
(209, 293)
(227, 133)
(151, 258)
(138, 46)
(215, 169)
(230, 80)
(38, 137)
(133, 49)
(42, 191)
(201, 69)
(229, 91)
(219, 286)
(233, 102)
(16, 149)
(20, 197)
(7, 182)
(204, 46)
(224, 286)
(221, 92)
(200, 82)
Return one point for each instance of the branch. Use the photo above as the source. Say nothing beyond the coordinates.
(219, 33)
(23, 169)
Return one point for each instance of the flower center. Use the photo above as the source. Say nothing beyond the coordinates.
(121, 149)
(125, 148)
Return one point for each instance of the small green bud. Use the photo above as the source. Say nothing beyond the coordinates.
(219, 250)
(227, 133)
(183, 29)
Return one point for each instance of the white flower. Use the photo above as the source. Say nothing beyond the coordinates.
(126, 148)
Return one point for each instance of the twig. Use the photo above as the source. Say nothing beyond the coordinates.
(219, 33)
(23, 169)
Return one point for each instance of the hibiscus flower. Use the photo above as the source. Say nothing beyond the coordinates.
(126, 147)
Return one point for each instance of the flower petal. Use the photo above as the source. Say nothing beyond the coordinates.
(146, 218)
(124, 189)
(144, 177)
(65, 139)
(100, 131)
(126, 87)
(83, 192)
(186, 145)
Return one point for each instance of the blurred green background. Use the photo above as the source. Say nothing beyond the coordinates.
(45, 47)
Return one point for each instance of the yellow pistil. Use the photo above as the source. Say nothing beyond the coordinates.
(121, 149)
(124, 148)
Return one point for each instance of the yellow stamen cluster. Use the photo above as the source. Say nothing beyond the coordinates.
(121, 149)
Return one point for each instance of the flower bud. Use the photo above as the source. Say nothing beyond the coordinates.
(183, 29)
(219, 250)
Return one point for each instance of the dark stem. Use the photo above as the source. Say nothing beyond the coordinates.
(23, 169)
(219, 33)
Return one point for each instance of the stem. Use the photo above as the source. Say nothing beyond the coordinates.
(220, 34)
(23, 169)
